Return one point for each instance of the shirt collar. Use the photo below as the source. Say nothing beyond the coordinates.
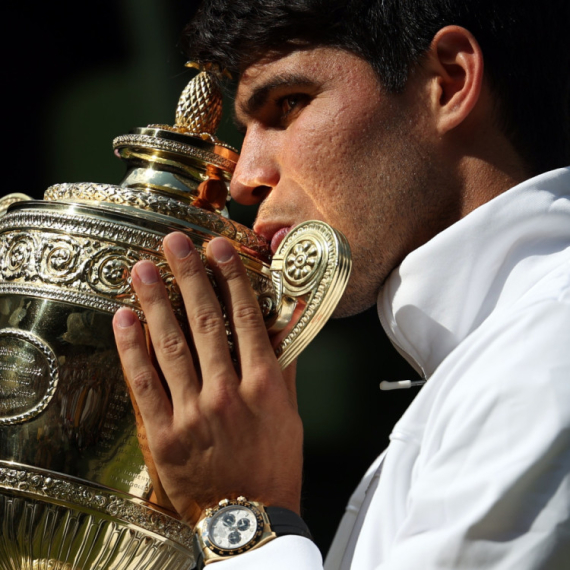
(445, 289)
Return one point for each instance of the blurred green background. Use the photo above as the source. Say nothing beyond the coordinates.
(76, 75)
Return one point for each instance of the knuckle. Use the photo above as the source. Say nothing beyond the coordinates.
(265, 370)
(151, 297)
(142, 381)
(165, 444)
(261, 386)
(246, 314)
(207, 321)
(172, 344)
(220, 400)
(232, 270)
(190, 268)
(258, 393)
(127, 341)
(192, 422)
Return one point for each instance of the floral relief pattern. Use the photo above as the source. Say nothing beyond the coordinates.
(18, 253)
(302, 261)
(76, 265)
(109, 271)
(83, 267)
(59, 260)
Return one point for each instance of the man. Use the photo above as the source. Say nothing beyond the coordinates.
(417, 129)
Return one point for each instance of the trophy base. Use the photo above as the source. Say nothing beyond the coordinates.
(52, 522)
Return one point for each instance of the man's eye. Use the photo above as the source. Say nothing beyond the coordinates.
(291, 103)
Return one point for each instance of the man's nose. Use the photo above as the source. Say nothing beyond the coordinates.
(257, 170)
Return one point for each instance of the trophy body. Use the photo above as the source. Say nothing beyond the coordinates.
(78, 489)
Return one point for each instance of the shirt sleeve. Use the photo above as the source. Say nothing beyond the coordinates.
(283, 553)
(491, 485)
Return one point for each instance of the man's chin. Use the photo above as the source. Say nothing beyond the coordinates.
(352, 303)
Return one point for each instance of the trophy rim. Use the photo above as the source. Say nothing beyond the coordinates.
(69, 491)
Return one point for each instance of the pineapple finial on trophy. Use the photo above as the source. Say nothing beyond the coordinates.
(185, 162)
(199, 109)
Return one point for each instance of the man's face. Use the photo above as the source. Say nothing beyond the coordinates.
(324, 141)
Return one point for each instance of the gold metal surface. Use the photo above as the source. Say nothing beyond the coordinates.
(78, 487)
(57, 522)
(9, 199)
(313, 265)
(200, 105)
(160, 204)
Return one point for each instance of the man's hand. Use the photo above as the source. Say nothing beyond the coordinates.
(218, 435)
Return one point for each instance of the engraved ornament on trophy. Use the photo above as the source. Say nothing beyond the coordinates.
(78, 489)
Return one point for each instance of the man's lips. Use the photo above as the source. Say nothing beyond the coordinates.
(273, 233)
(277, 238)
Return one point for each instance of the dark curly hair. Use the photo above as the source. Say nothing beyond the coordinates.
(525, 43)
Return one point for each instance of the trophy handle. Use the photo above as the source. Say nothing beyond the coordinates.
(310, 271)
(9, 199)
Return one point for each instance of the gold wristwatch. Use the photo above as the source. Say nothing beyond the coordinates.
(236, 526)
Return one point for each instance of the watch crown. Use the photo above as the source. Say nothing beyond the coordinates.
(241, 499)
(224, 503)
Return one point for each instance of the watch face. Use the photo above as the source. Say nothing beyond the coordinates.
(232, 527)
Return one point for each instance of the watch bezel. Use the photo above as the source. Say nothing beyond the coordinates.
(211, 514)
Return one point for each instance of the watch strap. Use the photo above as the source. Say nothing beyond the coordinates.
(284, 522)
(199, 565)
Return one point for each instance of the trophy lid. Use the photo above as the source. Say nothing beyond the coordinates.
(188, 150)
(181, 170)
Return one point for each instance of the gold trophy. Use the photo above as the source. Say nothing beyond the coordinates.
(78, 489)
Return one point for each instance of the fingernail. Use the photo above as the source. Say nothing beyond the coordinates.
(178, 244)
(147, 272)
(222, 250)
(125, 318)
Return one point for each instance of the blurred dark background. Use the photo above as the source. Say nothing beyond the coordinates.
(76, 75)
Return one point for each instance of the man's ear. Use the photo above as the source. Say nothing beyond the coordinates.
(455, 62)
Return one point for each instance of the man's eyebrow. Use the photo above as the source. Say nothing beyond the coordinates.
(261, 92)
